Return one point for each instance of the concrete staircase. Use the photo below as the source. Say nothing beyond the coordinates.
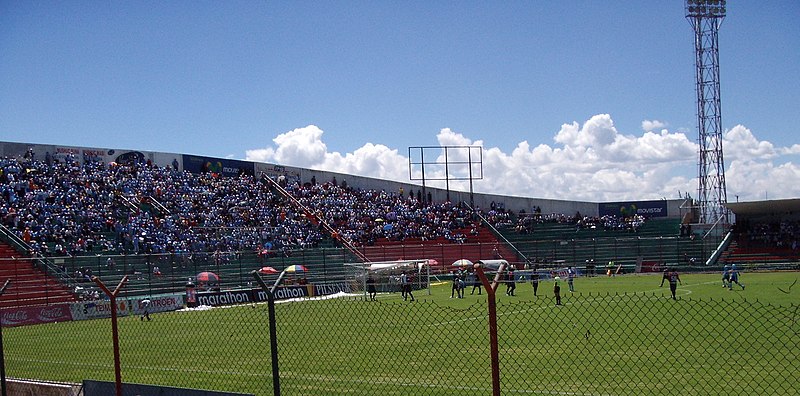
(29, 285)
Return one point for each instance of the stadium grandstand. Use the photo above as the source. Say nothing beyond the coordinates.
(71, 213)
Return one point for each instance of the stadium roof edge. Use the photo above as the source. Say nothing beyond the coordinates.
(783, 208)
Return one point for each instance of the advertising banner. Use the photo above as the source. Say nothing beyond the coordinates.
(157, 304)
(98, 309)
(650, 266)
(324, 289)
(643, 208)
(35, 315)
(220, 166)
(214, 299)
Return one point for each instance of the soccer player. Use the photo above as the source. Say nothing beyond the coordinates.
(405, 283)
(535, 281)
(726, 276)
(557, 290)
(476, 283)
(371, 288)
(462, 284)
(146, 313)
(571, 279)
(456, 287)
(511, 283)
(734, 278)
(664, 277)
(674, 279)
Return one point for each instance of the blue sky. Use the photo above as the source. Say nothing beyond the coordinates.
(572, 100)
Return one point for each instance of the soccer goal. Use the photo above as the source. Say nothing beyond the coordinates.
(390, 276)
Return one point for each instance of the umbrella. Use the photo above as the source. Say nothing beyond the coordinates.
(462, 263)
(296, 268)
(207, 277)
(267, 270)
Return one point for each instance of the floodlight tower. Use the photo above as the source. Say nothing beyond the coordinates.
(706, 17)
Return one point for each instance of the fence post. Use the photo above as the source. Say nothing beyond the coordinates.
(492, 304)
(273, 332)
(114, 332)
(2, 354)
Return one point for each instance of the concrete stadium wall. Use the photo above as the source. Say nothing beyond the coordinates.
(480, 200)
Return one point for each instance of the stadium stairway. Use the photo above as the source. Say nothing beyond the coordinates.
(29, 285)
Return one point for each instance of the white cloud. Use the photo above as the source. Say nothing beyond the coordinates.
(739, 143)
(302, 147)
(591, 162)
(599, 131)
(652, 125)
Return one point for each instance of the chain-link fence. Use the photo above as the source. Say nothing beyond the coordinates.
(629, 344)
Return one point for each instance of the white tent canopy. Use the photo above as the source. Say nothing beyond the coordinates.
(492, 264)
(417, 264)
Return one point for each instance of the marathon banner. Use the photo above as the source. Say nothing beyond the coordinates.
(215, 299)
(643, 208)
(219, 166)
(98, 309)
(35, 315)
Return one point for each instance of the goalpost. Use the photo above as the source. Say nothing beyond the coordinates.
(386, 275)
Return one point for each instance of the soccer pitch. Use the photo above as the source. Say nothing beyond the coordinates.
(615, 336)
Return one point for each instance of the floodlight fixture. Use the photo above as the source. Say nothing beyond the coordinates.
(705, 8)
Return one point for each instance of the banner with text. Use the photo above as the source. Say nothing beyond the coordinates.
(220, 166)
(35, 315)
(625, 209)
(214, 299)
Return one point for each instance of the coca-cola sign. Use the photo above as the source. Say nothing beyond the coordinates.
(35, 315)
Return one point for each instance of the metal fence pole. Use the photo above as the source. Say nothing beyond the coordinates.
(2, 354)
(273, 332)
(492, 305)
(114, 331)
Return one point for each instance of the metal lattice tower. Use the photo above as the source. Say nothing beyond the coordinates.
(706, 17)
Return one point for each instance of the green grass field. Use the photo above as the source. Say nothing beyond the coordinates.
(615, 336)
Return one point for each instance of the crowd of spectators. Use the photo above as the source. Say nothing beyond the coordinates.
(362, 216)
(66, 207)
(783, 234)
(73, 207)
(526, 222)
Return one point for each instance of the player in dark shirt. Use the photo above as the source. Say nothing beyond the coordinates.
(557, 290)
(664, 277)
(673, 278)
(371, 288)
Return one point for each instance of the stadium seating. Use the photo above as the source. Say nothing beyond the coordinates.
(183, 223)
(28, 285)
(562, 244)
